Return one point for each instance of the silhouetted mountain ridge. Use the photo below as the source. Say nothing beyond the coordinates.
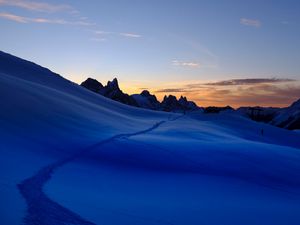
(288, 118)
(142, 100)
(111, 90)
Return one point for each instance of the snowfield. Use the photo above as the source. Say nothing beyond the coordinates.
(70, 156)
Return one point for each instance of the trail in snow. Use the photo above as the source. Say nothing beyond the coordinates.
(41, 210)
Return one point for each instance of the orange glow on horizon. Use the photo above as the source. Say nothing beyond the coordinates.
(265, 95)
(204, 95)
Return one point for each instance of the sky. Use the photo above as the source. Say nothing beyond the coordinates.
(215, 52)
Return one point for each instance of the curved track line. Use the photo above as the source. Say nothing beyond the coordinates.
(41, 210)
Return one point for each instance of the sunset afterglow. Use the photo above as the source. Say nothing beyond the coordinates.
(189, 48)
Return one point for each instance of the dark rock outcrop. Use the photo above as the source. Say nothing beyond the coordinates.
(171, 104)
(288, 118)
(111, 90)
(92, 85)
(146, 100)
(215, 109)
(187, 105)
(259, 114)
(142, 100)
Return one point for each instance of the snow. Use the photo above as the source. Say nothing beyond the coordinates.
(288, 117)
(85, 159)
(142, 101)
(184, 174)
(44, 118)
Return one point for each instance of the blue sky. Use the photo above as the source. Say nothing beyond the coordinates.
(164, 45)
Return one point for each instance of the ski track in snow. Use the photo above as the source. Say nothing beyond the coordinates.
(41, 210)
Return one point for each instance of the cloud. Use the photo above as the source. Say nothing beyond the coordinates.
(39, 6)
(98, 39)
(130, 35)
(263, 95)
(21, 19)
(101, 34)
(43, 20)
(284, 22)
(250, 22)
(185, 64)
(13, 17)
(249, 81)
(238, 92)
(170, 90)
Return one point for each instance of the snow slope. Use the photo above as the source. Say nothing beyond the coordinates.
(70, 156)
(289, 117)
(45, 118)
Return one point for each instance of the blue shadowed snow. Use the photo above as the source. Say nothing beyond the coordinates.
(69, 156)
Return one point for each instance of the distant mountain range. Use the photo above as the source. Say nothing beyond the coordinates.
(142, 100)
(288, 118)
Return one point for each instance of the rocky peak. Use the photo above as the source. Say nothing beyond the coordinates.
(145, 93)
(113, 85)
(182, 99)
(170, 98)
(187, 105)
(144, 100)
(170, 103)
(296, 104)
(92, 85)
(215, 109)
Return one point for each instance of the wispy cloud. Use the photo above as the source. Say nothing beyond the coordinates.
(21, 19)
(13, 17)
(263, 94)
(98, 39)
(284, 22)
(249, 81)
(250, 22)
(185, 64)
(170, 90)
(39, 6)
(238, 92)
(130, 35)
(43, 7)
(102, 34)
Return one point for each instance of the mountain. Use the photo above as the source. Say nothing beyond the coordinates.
(72, 156)
(146, 100)
(259, 114)
(111, 90)
(288, 118)
(187, 105)
(171, 104)
(215, 109)
(92, 85)
(142, 100)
